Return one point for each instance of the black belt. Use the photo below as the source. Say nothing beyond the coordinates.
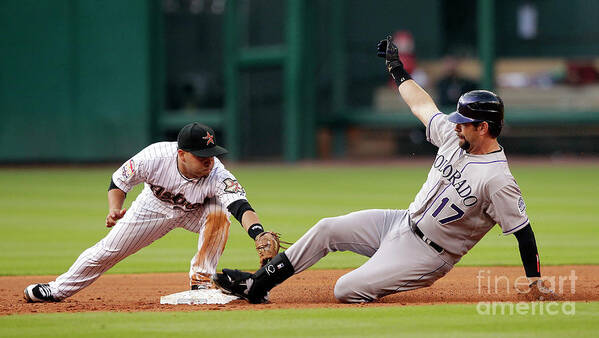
(434, 245)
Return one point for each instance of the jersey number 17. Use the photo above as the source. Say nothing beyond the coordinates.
(458, 215)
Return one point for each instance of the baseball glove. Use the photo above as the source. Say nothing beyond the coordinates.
(267, 245)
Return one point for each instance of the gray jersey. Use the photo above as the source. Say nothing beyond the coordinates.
(465, 195)
(463, 198)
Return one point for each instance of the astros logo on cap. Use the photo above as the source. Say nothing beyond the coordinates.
(209, 138)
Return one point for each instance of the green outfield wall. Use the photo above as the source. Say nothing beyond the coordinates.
(75, 79)
(91, 80)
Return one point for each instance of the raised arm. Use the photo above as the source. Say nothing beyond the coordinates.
(420, 103)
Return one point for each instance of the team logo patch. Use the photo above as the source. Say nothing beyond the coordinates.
(128, 169)
(521, 205)
(209, 138)
(233, 186)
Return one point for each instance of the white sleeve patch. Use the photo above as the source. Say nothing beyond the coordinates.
(129, 174)
(225, 186)
(521, 205)
(233, 186)
(507, 208)
(128, 169)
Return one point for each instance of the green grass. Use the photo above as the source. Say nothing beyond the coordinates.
(49, 216)
(581, 320)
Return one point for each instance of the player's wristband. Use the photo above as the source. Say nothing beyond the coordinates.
(255, 230)
(400, 75)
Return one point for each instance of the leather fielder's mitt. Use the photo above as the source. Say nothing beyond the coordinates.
(267, 245)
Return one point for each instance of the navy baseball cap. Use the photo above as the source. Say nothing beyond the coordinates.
(199, 140)
(478, 106)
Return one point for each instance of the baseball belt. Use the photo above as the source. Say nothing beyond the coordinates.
(426, 240)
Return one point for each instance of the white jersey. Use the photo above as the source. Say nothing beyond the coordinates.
(465, 195)
(168, 201)
(165, 186)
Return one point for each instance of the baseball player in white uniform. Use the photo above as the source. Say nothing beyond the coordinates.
(469, 189)
(185, 186)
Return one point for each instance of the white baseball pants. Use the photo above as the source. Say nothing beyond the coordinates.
(139, 228)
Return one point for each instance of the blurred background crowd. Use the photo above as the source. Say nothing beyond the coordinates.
(287, 80)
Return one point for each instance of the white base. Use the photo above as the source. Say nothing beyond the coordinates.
(193, 297)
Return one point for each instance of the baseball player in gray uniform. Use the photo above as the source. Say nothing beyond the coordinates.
(186, 186)
(469, 189)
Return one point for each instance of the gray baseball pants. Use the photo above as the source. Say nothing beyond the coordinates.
(399, 260)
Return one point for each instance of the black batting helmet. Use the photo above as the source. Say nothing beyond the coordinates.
(478, 106)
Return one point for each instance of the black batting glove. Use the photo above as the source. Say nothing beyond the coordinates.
(387, 49)
(381, 49)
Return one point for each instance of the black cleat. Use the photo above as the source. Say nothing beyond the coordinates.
(201, 286)
(238, 283)
(39, 293)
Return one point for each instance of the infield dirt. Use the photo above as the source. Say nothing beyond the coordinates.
(312, 288)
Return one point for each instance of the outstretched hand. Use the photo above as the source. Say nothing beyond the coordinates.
(388, 50)
(113, 216)
(381, 49)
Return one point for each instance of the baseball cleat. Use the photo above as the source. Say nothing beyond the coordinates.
(200, 281)
(205, 286)
(38, 293)
(238, 283)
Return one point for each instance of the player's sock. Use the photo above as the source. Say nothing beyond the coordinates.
(270, 275)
